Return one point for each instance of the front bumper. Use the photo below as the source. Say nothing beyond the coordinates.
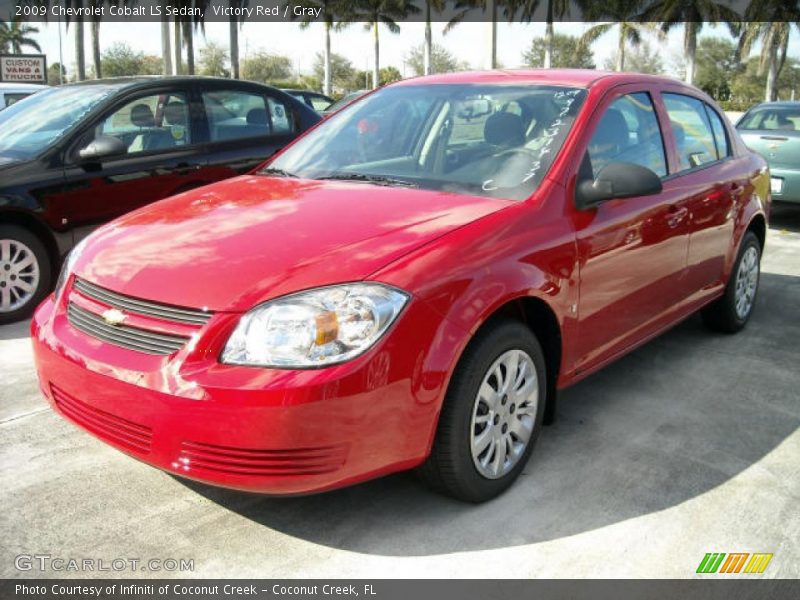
(263, 430)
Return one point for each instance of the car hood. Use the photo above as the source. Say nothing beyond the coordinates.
(233, 244)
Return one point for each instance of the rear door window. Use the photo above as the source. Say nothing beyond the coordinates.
(692, 130)
(235, 114)
(720, 135)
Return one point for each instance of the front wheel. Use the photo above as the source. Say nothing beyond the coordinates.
(24, 273)
(731, 312)
(492, 415)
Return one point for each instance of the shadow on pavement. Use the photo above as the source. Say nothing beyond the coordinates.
(667, 423)
(785, 216)
(15, 331)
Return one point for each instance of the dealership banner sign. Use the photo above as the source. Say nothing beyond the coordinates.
(23, 68)
(312, 10)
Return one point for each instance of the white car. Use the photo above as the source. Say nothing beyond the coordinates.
(14, 92)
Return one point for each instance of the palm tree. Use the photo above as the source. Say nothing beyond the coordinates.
(166, 50)
(16, 36)
(335, 15)
(692, 14)
(374, 12)
(630, 31)
(95, 34)
(527, 12)
(489, 8)
(80, 55)
(431, 6)
(769, 22)
(234, 24)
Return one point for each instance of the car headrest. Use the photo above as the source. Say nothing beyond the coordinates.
(612, 129)
(784, 123)
(257, 116)
(679, 132)
(175, 113)
(142, 116)
(504, 129)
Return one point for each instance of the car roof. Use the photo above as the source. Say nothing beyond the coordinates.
(11, 86)
(567, 77)
(143, 80)
(779, 104)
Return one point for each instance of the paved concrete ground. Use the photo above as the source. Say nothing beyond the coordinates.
(688, 445)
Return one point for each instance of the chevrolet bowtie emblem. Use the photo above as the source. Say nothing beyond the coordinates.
(114, 317)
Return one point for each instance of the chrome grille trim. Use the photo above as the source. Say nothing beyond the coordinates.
(132, 338)
(141, 307)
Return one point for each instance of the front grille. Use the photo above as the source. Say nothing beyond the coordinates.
(116, 430)
(141, 307)
(132, 338)
(242, 461)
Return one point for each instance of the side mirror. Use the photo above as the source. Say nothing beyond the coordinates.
(617, 180)
(103, 146)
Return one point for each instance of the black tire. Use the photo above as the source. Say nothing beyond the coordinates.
(721, 315)
(37, 248)
(450, 468)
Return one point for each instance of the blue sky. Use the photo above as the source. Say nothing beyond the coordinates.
(467, 41)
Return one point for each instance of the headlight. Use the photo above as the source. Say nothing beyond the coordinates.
(315, 328)
(69, 264)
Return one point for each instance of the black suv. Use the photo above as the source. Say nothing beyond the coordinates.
(75, 156)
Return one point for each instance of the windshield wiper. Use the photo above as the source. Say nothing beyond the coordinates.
(374, 179)
(276, 172)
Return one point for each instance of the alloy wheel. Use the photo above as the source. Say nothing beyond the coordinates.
(19, 275)
(504, 414)
(746, 282)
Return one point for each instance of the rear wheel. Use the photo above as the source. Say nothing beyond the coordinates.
(492, 415)
(731, 312)
(24, 273)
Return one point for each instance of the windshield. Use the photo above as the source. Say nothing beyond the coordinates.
(487, 140)
(781, 118)
(30, 126)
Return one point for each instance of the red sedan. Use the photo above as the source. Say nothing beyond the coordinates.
(409, 284)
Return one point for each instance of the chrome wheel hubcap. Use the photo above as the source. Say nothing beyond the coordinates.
(504, 414)
(746, 282)
(19, 275)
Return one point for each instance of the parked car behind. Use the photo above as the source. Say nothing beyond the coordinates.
(343, 101)
(11, 93)
(773, 130)
(408, 284)
(76, 156)
(319, 102)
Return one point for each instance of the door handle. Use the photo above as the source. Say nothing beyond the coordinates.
(676, 215)
(185, 168)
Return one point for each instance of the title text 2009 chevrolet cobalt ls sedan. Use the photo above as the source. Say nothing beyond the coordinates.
(408, 284)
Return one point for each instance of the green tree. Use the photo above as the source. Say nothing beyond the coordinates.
(566, 53)
(630, 31)
(640, 59)
(747, 86)
(441, 61)
(56, 74)
(527, 10)
(390, 74)
(121, 60)
(264, 67)
(213, 59)
(374, 12)
(341, 70)
(691, 14)
(716, 65)
(335, 17)
(16, 36)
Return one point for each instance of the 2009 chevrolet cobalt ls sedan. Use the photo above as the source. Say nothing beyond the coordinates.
(409, 284)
